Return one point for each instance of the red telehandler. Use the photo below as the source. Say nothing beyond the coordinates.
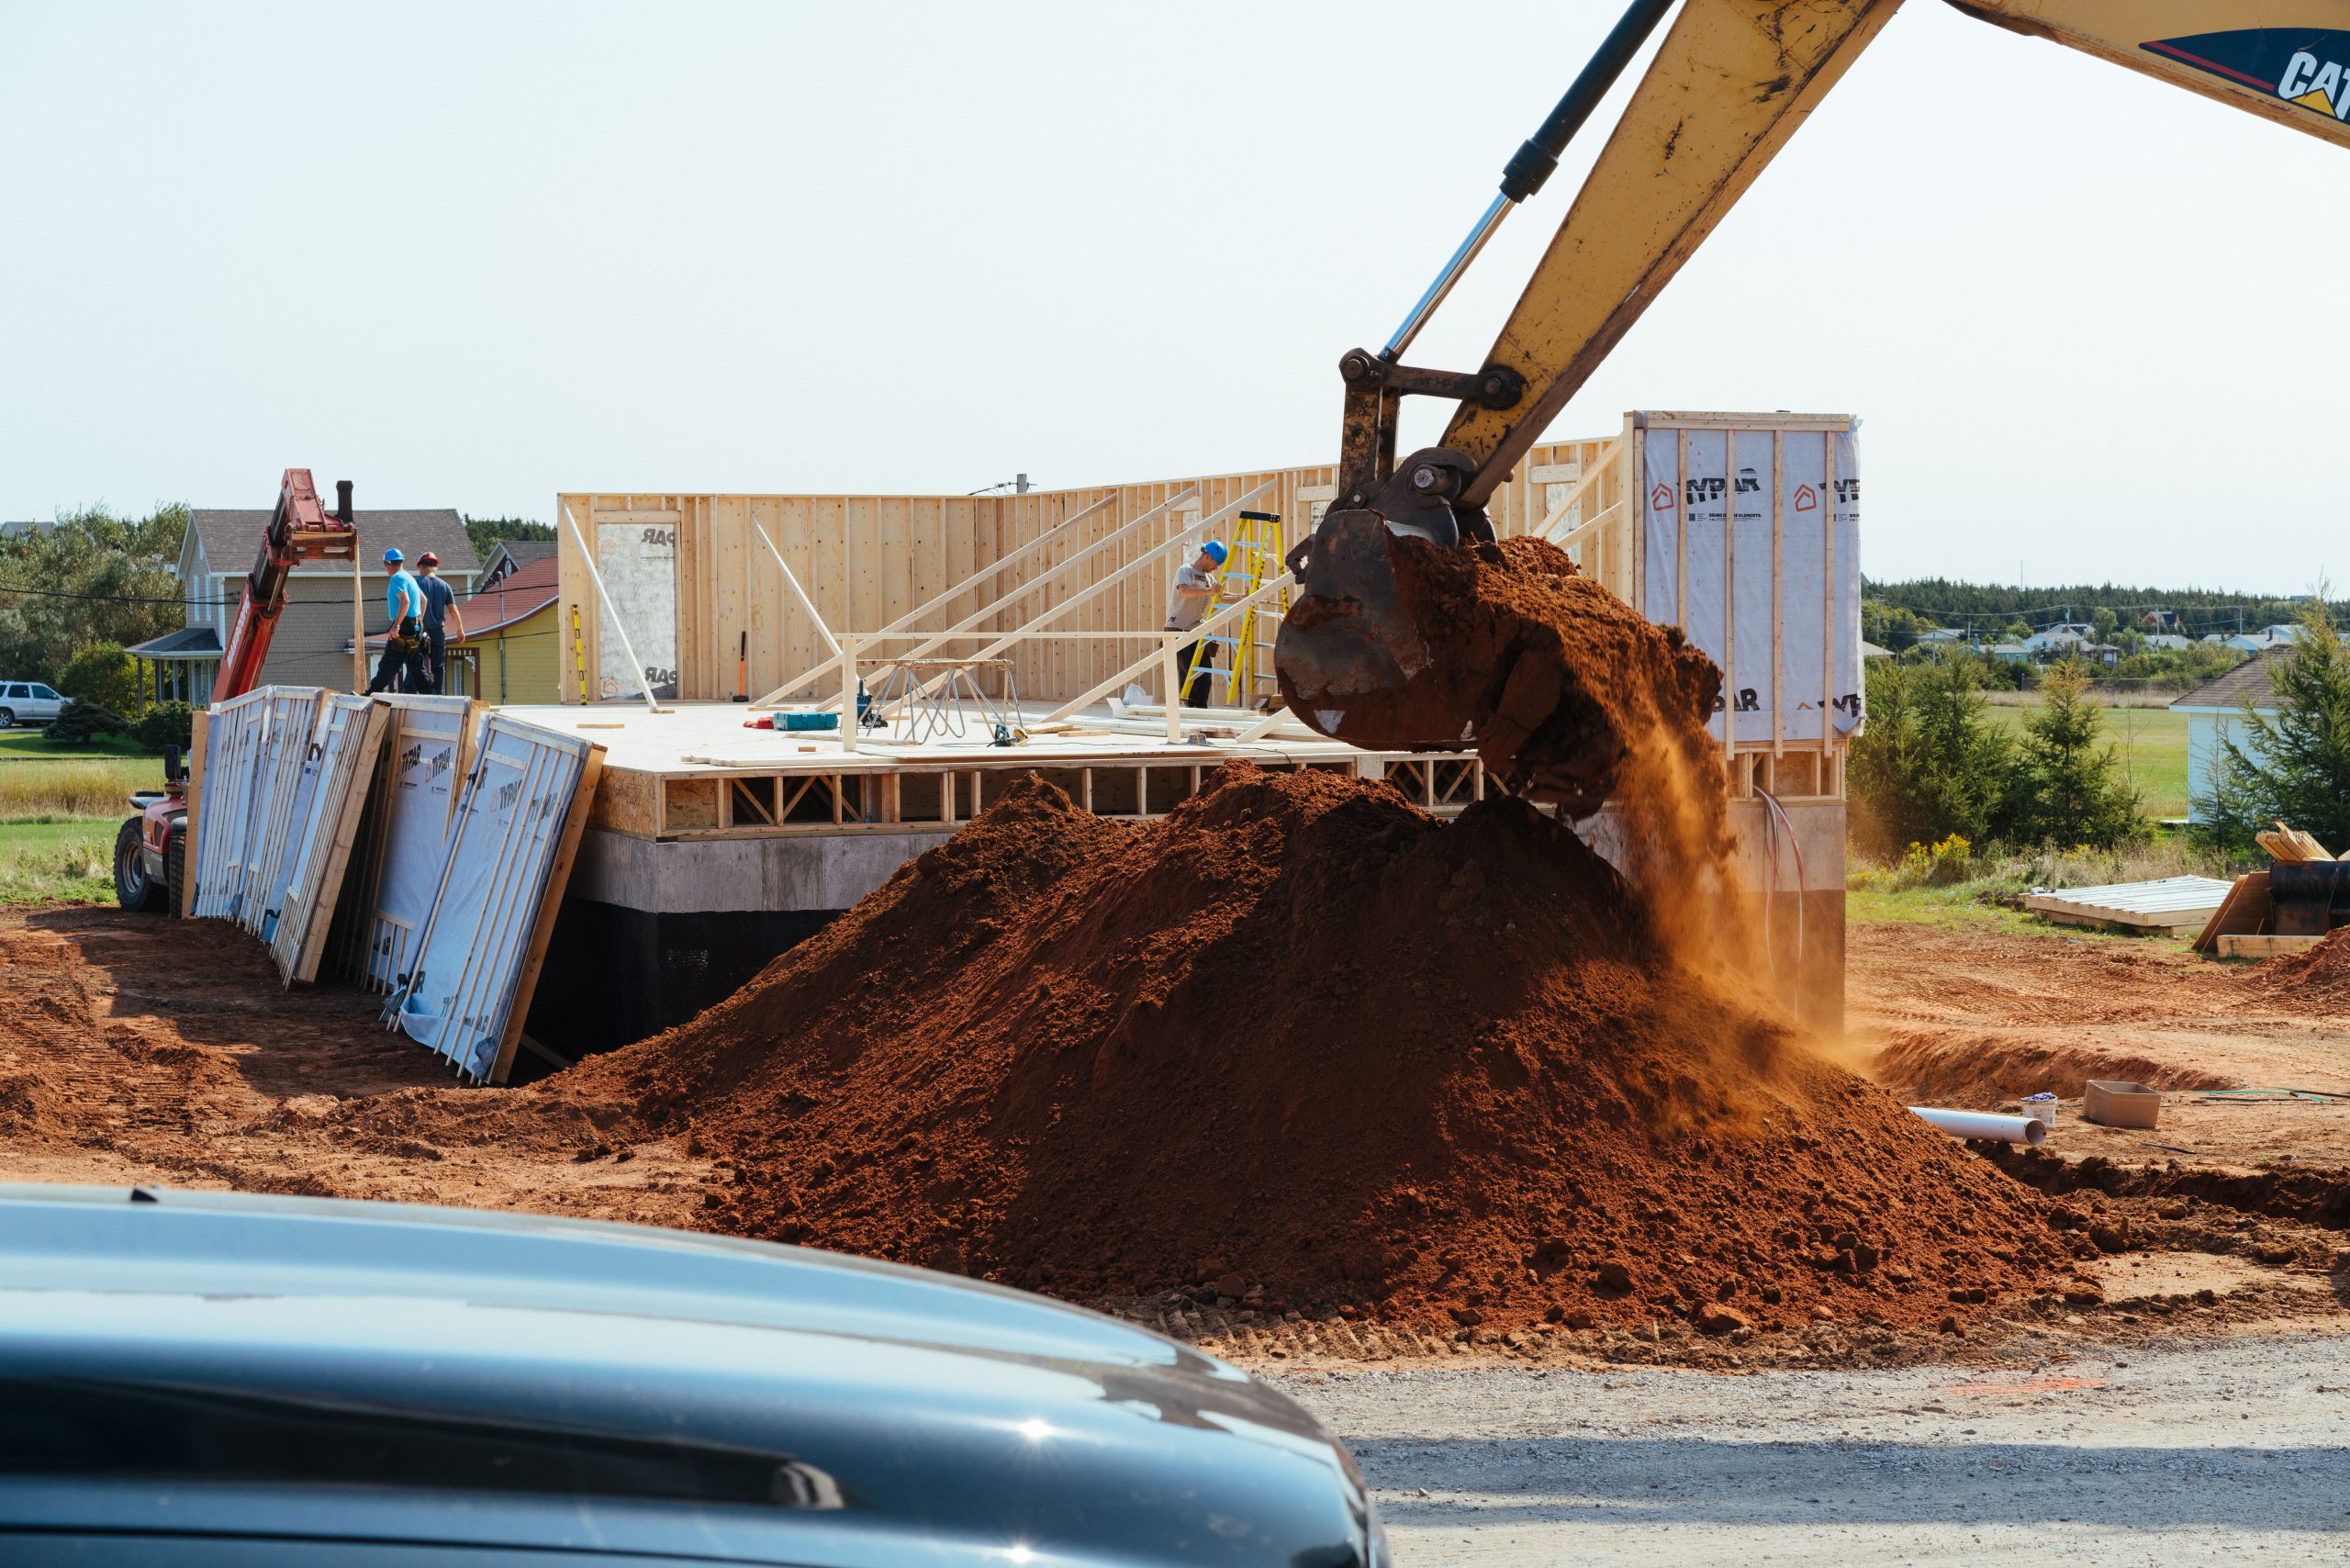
(150, 853)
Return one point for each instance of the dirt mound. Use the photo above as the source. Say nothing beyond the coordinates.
(1983, 1070)
(1301, 1045)
(2320, 972)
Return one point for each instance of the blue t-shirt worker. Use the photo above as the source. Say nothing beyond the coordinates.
(402, 666)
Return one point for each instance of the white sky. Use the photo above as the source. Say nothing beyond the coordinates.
(470, 255)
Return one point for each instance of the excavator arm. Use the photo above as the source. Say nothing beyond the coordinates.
(1729, 86)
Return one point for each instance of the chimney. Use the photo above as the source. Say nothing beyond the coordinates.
(343, 499)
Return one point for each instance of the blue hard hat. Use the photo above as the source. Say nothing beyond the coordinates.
(393, 554)
(1214, 549)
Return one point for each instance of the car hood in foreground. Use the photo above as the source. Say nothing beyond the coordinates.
(210, 1362)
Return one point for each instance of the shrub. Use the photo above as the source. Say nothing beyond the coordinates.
(1936, 865)
(167, 723)
(101, 672)
(1930, 764)
(82, 722)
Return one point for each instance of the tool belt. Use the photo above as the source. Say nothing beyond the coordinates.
(406, 637)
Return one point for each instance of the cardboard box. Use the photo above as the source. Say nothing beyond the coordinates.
(2114, 1103)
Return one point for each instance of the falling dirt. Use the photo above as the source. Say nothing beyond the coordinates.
(1564, 688)
(1299, 1045)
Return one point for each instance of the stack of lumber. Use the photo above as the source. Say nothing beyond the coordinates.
(2242, 928)
(2167, 904)
(2292, 845)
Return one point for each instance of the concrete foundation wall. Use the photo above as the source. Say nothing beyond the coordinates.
(653, 931)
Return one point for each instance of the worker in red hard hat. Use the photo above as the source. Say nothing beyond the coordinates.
(440, 610)
(1195, 590)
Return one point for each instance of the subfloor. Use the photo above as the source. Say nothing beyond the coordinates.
(2181, 1399)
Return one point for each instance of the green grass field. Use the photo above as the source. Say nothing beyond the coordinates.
(59, 810)
(2151, 743)
(48, 862)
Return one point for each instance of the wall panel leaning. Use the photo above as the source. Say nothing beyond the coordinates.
(475, 964)
(426, 847)
(403, 839)
(350, 739)
(255, 749)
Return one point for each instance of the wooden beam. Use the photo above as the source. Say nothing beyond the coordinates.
(1208, 627)
(1590, 478)
(2245, 945)
(996, 569)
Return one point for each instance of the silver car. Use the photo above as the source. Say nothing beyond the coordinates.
(27, 702)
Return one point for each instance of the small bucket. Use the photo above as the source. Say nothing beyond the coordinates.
(2040, 1107)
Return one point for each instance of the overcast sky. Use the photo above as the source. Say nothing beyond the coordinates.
(470, 255)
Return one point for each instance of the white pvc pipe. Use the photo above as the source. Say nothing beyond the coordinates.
(1984, 1124)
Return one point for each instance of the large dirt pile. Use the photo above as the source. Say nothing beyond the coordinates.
(1300, 1044)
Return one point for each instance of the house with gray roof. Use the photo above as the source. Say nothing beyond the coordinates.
(2215, 713)
(509, 556)
(312, 646)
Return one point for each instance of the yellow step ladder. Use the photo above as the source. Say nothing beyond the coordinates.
(1244, 676)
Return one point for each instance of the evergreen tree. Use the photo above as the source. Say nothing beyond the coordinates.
(484, 533)
(2296, 766)
(1928, 764)
(2065, 788)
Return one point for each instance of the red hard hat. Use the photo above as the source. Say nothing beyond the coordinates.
(428, 559)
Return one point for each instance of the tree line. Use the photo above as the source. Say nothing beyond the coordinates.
(1931, 764)
(1993, 608)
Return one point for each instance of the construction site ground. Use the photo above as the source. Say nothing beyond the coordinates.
(2184, 1398)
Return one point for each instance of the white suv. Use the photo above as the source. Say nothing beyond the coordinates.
(27, 702)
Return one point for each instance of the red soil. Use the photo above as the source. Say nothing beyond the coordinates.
(1564, 685)
(1301, 1044)
(2322, 971)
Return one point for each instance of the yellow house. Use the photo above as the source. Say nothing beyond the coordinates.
(511, 649)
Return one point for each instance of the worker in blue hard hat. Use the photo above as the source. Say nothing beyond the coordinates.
(1195, 590)
(402, 665)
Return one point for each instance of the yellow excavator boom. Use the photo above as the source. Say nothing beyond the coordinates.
(1732, 82)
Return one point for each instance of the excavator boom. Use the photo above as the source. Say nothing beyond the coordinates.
(1729, 84)
(1736, 78)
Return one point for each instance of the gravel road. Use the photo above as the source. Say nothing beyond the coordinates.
(2236, 1453)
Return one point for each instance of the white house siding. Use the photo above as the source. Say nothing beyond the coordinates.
(2206, 729)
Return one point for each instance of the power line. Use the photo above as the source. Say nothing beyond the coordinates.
(115, 597)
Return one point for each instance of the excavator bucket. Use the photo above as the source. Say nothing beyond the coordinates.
(1350, 657)
(1401, 643)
